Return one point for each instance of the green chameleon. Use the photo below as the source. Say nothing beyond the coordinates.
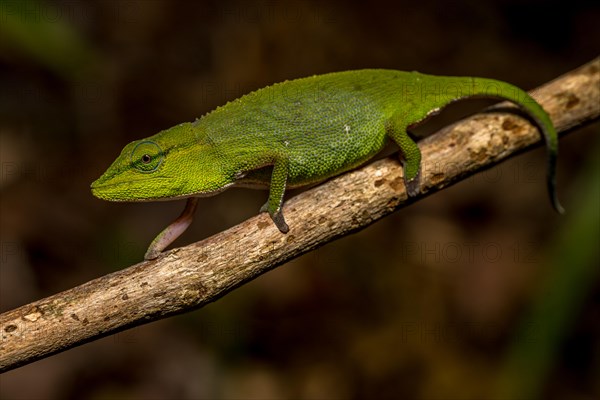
(296, 133)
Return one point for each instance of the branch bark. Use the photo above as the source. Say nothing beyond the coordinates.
(190, 277)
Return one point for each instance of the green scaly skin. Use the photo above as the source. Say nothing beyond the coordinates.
(296, 133)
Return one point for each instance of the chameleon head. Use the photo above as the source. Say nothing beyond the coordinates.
(173, 163)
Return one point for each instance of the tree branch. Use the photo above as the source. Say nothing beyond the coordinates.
(190, 277)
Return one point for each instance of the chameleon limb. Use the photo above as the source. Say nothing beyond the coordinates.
(396, 130)
(173, 231)
(276, 192)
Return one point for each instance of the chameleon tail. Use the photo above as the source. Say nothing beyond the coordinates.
(521, 98)
(483, 87)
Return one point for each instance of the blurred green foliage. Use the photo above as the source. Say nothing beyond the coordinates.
(569, 278)
(39, 31)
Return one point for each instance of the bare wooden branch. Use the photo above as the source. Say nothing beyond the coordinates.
(190, 277)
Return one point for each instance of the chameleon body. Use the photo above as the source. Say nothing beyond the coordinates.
(296, 133)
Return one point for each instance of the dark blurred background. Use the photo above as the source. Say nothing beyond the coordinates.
(480, 291)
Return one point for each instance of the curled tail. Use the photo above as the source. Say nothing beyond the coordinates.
(462, 87)
(493, 88)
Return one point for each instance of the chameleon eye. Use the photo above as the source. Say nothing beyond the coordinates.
(146, 156)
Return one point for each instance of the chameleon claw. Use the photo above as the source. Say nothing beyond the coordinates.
(264, 208)
(413, 186)
(280, 222)
(276, 217)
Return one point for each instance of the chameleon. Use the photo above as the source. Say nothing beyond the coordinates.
(297, 133)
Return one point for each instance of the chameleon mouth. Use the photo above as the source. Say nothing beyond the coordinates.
(121, 191)
(97, 184)
(128, 191)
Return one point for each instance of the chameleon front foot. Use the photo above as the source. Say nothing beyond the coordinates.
(413, 186)
(173, 231)
(280, 222)
(277, 218)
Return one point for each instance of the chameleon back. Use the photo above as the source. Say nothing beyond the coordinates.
(323, 125)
